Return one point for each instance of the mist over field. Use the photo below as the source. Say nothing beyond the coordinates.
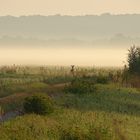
(63, 56)
(70, 70)
(90, 40)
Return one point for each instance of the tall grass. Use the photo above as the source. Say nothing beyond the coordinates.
(109, 112)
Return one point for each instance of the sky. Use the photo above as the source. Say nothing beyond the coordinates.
(68, 7)
(63, 56)
(65, 7)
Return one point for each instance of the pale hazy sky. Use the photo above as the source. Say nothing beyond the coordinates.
(68, 7)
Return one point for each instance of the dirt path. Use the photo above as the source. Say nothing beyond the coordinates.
(61, 84)
(12, 98)
(12, 114)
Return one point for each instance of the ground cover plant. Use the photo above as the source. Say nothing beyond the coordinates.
(90, 104)
(38, 104)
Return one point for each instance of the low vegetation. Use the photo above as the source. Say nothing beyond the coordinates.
(81, 86)
(60, 104)
(38, 104)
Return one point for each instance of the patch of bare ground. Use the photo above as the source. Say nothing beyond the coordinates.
(53, 91)
(13, 98)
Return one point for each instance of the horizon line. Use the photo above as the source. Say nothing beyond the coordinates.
(78, 15)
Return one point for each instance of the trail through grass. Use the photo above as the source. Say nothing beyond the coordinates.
(111, 112)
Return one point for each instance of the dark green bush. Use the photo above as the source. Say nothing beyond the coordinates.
(38, 104)
(80, 86)
(102, 79)
(134, 60)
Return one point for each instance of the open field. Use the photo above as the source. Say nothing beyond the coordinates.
(108, 109)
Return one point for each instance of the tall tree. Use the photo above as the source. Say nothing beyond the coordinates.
(134, 60)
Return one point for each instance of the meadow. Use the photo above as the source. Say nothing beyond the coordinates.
(90, 104)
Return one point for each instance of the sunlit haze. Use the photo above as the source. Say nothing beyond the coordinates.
(63, 56)
(68, 7)
(108, 35)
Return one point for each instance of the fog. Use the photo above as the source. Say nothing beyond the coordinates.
(81, 56)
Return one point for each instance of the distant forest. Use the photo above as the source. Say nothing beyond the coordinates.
(57, 29)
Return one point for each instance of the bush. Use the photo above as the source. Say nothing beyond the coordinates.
(38, 104)
(81, 86)
(134, 60)
(102, 79)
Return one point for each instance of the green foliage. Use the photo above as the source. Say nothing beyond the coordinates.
(74, 133)
(86, 84)
(81, 86)
(77, 133)
(28, 127)
(101, 79)
(36, 127)
(39, 104)
(108, 98)
(134, 60)
(111, 113)
(131, 74)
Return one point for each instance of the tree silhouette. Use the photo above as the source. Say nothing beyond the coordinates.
(134, 60)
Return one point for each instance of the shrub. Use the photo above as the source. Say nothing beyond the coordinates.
(134, 60)
(80, 86)
(102, 79)
(132, 71)
(39, 104)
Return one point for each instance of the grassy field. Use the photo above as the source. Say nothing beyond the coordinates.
(108, 109)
